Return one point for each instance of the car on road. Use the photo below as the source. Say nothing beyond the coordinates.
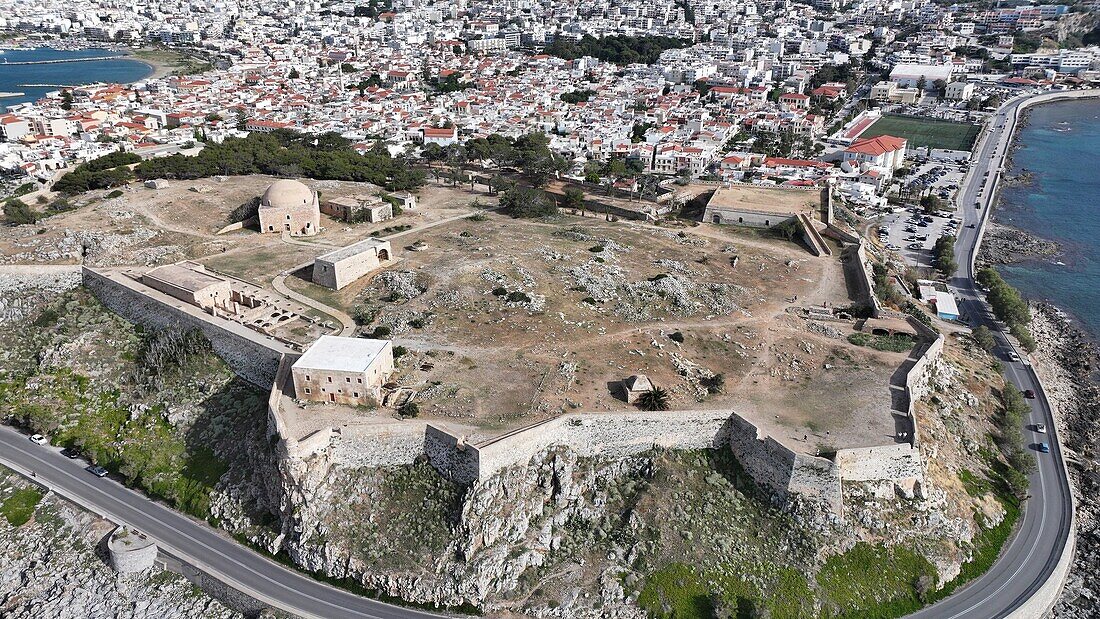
(915, 246)
(38, 439)
(1044, 448)
(1041, 428)
(1013, 357)
(97, 470)
(1029, 394)
(70, 453)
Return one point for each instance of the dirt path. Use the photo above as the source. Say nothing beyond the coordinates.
(279, 284)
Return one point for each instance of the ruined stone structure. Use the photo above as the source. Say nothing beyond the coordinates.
(252, 356)
(289, 206)
(730, 206)
(130, 551)
(343, 266)
(344, 370)
(189, 282)
(358, 208)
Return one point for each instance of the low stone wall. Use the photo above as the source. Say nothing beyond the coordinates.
(251, 355)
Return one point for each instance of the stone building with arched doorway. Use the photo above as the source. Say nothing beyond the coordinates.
(343, 266)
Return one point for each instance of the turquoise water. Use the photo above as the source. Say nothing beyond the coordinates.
(12, 78)
(1061, 147)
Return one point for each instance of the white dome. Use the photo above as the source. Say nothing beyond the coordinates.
(286, 193)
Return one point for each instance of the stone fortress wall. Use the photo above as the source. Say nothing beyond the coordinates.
(266, 362)
(253, 356)
(770, 463)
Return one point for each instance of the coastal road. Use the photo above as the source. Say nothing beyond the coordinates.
(1036, 553)
(192, 540)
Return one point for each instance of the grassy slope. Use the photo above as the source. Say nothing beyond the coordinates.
(87, 379)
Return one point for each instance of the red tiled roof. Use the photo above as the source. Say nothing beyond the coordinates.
(877, 146)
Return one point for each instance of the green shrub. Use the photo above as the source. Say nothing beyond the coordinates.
(18, 213)
(19, 507)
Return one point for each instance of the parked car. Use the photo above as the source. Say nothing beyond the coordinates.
(893, 247)
(1029, 394)
(97, 470)
(70, 453)
(915, 246)
(38, 439)
(1041, 428)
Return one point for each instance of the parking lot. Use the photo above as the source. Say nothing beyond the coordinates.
(913, 232)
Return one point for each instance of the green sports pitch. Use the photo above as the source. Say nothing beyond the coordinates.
(923, 132)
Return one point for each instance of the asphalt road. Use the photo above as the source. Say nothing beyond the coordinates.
(192, 540)
(1031, 555)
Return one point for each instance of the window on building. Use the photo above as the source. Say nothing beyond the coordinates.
(357, 394)
(330, 379)
(348, 379)
(307, 376)
(308, 391)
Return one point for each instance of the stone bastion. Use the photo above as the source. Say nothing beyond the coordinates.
(267, 362)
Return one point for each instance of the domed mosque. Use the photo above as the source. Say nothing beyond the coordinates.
(289, 206)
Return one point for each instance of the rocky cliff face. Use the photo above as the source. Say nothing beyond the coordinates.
(566, 536)
(51, 567)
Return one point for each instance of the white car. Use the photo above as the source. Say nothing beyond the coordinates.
(893, 247)
(1041, 428)
(1013, 357)
(38, 439)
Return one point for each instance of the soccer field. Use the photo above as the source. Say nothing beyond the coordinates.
(923, 132)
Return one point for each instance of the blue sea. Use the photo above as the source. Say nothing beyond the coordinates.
(13, 78)
(1060, 146)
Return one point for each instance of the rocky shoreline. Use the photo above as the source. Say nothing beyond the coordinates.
(1067, 364)
(1003, 244)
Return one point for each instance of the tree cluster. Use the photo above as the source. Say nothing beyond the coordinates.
(529, 153)
(101, 173)
(1009, 436)
(619, 49)
(527, 202)
(943, 255)
(17, 212)
(287, 153)
(1009, 307)
(577, 96)
(451, 83)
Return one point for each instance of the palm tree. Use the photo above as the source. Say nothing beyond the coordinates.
(656, 399)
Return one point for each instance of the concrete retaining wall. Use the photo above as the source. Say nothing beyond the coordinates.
(251, 355)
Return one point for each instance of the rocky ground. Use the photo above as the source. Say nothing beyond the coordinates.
(1003, 244)
(52, 566)
(1068, 368)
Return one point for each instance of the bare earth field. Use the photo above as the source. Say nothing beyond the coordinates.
(507, 322)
